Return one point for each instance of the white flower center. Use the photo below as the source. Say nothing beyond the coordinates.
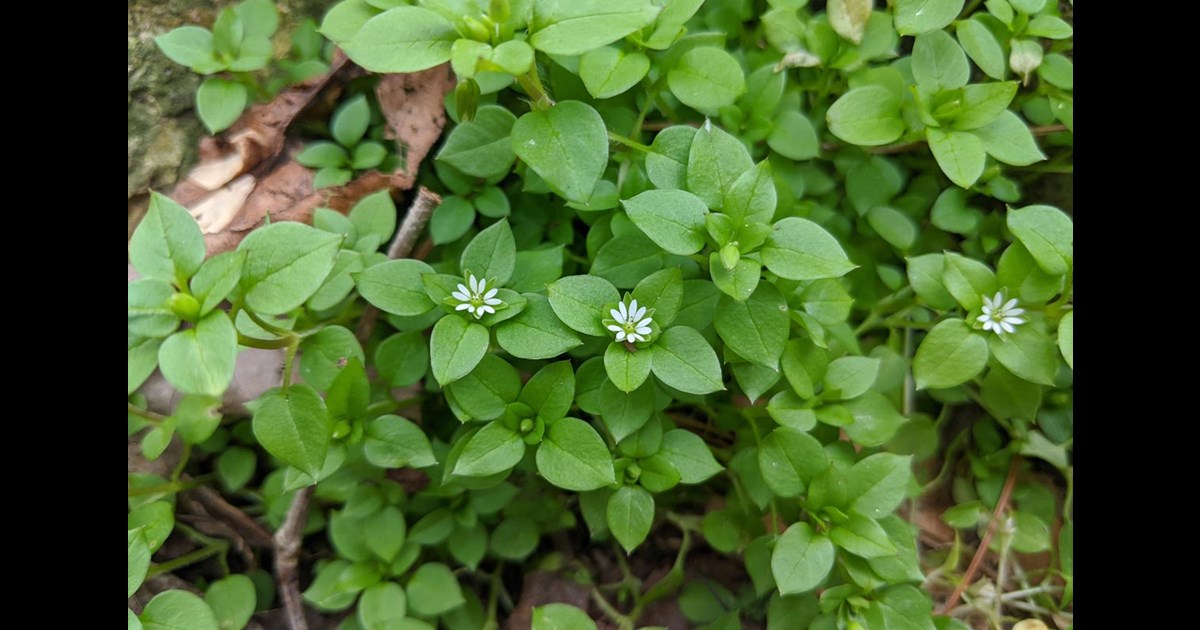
(630, 322)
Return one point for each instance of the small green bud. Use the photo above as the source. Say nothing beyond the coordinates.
(730, 254)
(184, 306)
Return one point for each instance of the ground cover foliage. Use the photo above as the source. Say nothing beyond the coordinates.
(720, 314)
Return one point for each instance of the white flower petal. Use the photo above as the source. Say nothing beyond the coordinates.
(998, 299)
(491, 293)
(983, 318)
(1014, 311)
(988, 324)
(642, 330)
(463, 288)
(1014, 320)
(1007, 326)
(636, 337)
(644, 322)
(1010, 304)
(493, 301)
(487, 309)
(617, 315)
(641, 312)
(474, 284)
(621, 335)
(624, 313)
(465, 306)
(615, 328)
(633, 307)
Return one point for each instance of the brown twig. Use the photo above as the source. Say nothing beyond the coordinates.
(287, 558)
(236, 519)
(980, 552)
(890, 149)
(401, 246)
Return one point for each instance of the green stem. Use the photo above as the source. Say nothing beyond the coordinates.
(262, 344)
(183, 460)
(267, 326)
(217, 546)
(623, 622)
(629, 142)
(146, 414)
(288, 358)
(532, 84)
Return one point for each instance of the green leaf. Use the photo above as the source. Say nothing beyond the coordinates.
(981, 46)
(1028, 353)
(752, 197)
(200, 360)
(573, 27)
(344, 19)
(794, 137)
(219, 103)
(789, 410)
(862, 536)
(566, 145)
(798, 249)
(515, 538)
(1066, 338)
(385, 531)
(875, 420)
(893, 226)
(801, 560)
(551, 390)
(866, 116)
(1010, 396)
(383, 606)
(789, 459)
(149, 308)
(216, 278)
(139, 559)
(259, 17)
(349, 122)
(849, 377)
(285, 264)
(486, 391)
(627, 369)
(433, 590)
(402, 359)
(167, 245)
(539, 268)
(256, 53)
(494, 449)
(967, 280)
(938, 63)
(625, 413)
(949, 355)
(904, 606)
(1048, 26)
(925, 276)
(922, 16)
(715, 160)
(626, 259)
(662, 290)
(983, 102)
(481, 147)
(683, 359)
(707, 78)
(235, 467)
(190, 46)
(1009, 141)
(451, 220)
(738, 283)
(322, 154)
(1047, 233)
(134, 622)
(374, 214)
(609, 71)
(673, 219)
(630, 513)
(404, 39)
(396, 286)
(960, 154)
(395, 442)
(143, 358)
(875, 486)
(323, 355)
(232, 600)
(573, 457)
(492, 254)
(456, 347)
(688, 453)
(579, 302)
(667, 160)
(156, 521)
(536, 333)
(757, 328)
(561, 617)
(293, 425)
(176, 609)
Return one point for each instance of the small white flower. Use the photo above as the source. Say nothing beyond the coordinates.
(999, 316)
(478, 300)
(631, 325)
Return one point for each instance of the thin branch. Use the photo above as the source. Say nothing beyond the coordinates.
(287, 558)
(236, 519)
(977, 559)
(401, 246)
(889, 149)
